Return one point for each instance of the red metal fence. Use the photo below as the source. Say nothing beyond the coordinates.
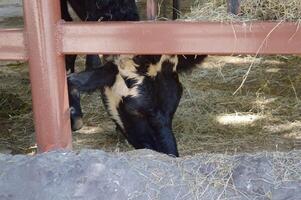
(46, 38)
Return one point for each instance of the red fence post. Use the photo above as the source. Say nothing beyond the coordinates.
(47, 75)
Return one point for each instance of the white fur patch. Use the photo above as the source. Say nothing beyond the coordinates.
(126, 66)
(114, 94)
(155, 68)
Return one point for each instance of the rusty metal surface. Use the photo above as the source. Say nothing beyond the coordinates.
(151, 9)
(181, 38)
(12, 45)
(47, 74)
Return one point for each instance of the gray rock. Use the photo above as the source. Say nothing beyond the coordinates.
(140, 175)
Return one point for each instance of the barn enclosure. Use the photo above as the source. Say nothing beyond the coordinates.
(238, 125)
(264, 114)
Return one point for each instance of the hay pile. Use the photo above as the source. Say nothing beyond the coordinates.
(16, 134)
(148, 175)
(216, 10)
(264, 115)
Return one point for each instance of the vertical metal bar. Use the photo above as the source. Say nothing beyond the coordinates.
(151, 9)
(233, 6)
(47, 75)
(176, 9)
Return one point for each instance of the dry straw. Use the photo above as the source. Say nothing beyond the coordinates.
(216, 10)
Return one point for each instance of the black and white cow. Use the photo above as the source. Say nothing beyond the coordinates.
(141, 94)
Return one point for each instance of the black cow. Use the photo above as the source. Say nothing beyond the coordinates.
(141, 94)
(98, 10)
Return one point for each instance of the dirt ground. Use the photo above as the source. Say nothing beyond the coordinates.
(264, 115)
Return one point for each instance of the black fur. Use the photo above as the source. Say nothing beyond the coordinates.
(187, 62)
(87, 81)
(112, 10)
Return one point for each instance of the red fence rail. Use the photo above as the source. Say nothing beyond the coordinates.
(263, 38)
(12, 45)
(46, 39)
